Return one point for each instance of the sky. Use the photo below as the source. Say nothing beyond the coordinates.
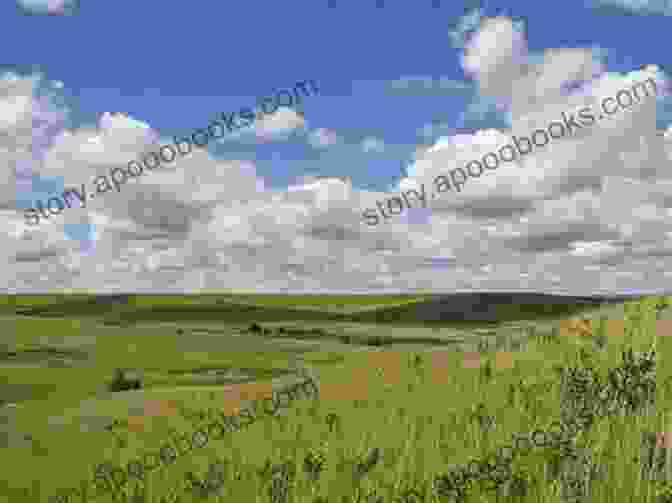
(407, 92)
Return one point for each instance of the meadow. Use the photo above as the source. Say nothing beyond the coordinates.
(569, 404)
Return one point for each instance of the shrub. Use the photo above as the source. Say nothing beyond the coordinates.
(121, 382)
(375, 341)
(662, 303)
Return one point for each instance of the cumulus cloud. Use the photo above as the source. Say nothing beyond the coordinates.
(465, 27)
(589, 212)
(495, 56)
(279, 125)
(566, 199)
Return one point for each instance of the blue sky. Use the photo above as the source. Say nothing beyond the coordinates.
(174, 66)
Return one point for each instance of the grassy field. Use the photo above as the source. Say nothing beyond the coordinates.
(295, 300)
(399, 405)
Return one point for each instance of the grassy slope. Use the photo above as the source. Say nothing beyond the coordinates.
(401, 310)
(53, 391)
(246, 308)
(488, 307)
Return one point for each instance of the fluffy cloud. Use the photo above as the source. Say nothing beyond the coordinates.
(277, 126)
(495, 56)
(588, 212)
(465, 27)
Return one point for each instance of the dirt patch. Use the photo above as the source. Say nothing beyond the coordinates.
(471, 360)
(664, 328)
(439, 366)
(614, 328)
(228, 399)
(143, 405)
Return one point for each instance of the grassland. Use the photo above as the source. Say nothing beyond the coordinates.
(406, 393)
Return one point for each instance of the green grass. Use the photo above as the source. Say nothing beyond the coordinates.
(420, 425)
(284, 300)
(399, 310)
(232, 309)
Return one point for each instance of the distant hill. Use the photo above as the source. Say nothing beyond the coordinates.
(485, 307)
(63, 305)
(441, 308)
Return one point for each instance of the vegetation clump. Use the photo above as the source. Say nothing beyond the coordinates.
(124, 382)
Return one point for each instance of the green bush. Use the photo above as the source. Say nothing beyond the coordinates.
(122, 382)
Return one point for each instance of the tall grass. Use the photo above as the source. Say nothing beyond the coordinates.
(570, 419)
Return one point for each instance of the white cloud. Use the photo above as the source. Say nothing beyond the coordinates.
(495, 55)
(466, 25)
(585, 213)
(125, 130)
(277, 126)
